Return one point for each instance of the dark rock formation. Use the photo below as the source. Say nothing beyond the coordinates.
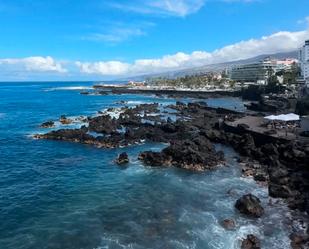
(122, 159)
(299, 241)
(229, 224)
(103, 124)
(270, 104)
(302, 106)
(251, 242)
(283, 164)
(250, 205)
(155, 159)
(64, 120)
(197, 155)
(48, 124)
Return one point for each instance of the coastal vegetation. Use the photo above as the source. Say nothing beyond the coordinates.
(193, 81)
(290, 76)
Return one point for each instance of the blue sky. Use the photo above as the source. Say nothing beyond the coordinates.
(79, 39)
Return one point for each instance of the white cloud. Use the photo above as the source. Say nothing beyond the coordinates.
(34, 64)
(304, 21)
(278, 42)
(104, 68)
(116, 35)
(179, 8)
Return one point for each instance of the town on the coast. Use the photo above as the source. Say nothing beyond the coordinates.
(290, 73)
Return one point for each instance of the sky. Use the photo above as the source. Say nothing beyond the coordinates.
(100, 40)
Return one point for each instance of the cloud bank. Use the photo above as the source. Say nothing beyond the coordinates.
(283, 41)
(34, 64)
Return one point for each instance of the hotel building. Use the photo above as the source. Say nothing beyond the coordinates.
(256, 72)
(304, 62)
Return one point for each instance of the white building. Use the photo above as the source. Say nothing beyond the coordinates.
(304, 62)
(285, 64)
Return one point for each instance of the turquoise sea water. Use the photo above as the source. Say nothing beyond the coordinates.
(61, 195)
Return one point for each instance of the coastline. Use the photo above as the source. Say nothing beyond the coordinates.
(245, 144)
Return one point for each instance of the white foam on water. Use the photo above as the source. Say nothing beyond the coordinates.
(68, 88)
(114, 114)
(111, 243)
(177, 244)
(135, 102)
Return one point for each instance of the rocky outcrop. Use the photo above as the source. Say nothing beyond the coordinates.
(251, 242)
(103, 124)
(299, 241)
(48, 124)
(196, 155)
(250, 205)
(74, 135)
(270, 104)
(284, 165)
(122, 159)
(154, 159)
(64, 120)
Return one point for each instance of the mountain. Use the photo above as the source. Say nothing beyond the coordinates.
(213, 67)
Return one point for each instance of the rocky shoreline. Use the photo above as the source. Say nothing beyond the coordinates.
(282, 166)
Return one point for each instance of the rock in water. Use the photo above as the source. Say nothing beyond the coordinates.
(251, 242)
(154, 159)
(198, 154)
(64, 120)
(229, 224)
(122, 159)
(299, 241)
(250, 205)
(103, 124)
(48, 124)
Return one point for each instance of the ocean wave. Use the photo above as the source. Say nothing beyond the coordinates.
(2, 115)
(135, 102)
(68, 88)
(114, 113)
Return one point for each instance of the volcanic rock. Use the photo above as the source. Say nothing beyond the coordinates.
(250, 205)
(251, 242)
(48, 124)
(197, 155)
(103, 124)
(155, 159)
(64, 120)
(122, 159)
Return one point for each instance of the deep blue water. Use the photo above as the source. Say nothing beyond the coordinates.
(61, 195)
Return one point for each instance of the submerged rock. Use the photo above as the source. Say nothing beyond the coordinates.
(250, 205)
(251, 242)
(229, 224)
(122, 159)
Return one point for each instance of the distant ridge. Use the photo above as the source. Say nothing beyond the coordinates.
(213, 67)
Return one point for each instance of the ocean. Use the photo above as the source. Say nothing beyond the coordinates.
(61, 195)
